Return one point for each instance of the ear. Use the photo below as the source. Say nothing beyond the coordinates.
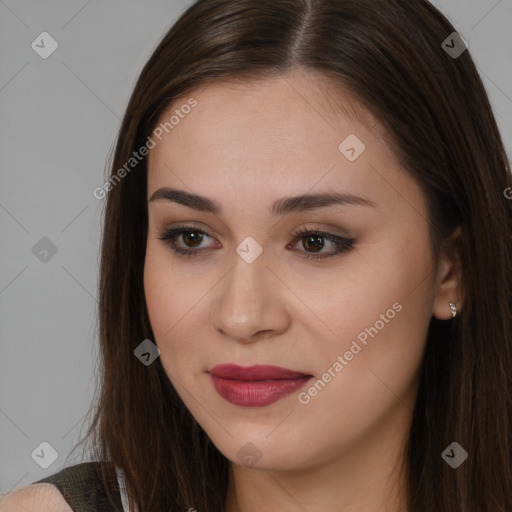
(448, 280)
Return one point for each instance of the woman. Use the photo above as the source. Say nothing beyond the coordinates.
(306, 285)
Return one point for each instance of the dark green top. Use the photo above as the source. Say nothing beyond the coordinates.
(82, 488)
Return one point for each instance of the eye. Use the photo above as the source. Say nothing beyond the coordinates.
(191, 236)
(312, 240)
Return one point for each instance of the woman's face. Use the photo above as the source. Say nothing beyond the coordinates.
(352, 317)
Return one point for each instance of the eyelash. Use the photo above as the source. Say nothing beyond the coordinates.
(169, 235)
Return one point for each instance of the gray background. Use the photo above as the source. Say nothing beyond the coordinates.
(59, 117)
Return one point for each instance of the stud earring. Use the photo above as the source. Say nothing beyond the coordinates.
(453, 308)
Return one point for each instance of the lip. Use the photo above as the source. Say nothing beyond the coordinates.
(255, 386)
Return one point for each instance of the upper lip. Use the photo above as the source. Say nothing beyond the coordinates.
(254, 373)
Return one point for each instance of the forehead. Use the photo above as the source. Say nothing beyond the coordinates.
(286, 108)
(318, 101)
(278, 136)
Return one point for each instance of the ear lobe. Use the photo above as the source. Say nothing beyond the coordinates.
(448, 281)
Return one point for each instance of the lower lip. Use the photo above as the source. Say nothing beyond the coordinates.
(256, 393)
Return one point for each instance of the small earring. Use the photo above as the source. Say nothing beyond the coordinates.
(453, 308)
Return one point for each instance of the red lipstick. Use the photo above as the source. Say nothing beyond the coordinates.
(255, 386)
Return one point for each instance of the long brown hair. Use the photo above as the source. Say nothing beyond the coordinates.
(435, 110)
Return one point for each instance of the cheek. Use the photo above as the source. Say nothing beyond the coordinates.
(169, 293)
(372, 368)
(377, 310)
(157, 290)
(174, 302)
(165, 305)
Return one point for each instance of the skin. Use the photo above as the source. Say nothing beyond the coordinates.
(42, 497)
(245, 146)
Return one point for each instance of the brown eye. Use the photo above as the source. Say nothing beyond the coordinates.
(313, 242)
(191, 237)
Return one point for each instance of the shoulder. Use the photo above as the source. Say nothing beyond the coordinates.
(43, 497)
(84, 487)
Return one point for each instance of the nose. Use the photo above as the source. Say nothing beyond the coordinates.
(251, 302)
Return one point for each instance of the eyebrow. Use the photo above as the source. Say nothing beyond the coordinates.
(279, 207)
